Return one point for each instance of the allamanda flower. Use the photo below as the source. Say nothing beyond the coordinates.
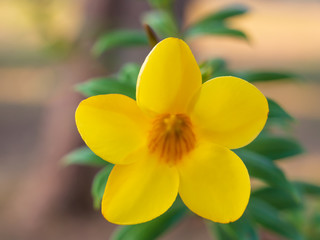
(174, 139)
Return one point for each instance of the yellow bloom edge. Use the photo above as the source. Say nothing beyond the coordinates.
(176, 138)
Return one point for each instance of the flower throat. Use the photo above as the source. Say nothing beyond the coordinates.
(171, 137)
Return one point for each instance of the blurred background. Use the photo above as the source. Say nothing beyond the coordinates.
(45, 49)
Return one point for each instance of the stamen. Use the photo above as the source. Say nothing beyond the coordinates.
(171, 137)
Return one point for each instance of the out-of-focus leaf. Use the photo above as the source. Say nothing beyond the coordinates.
(83, 156)
(308, 188)
(214, 28)
(153, 229)
(122, 83)
(263, 168)
(212, 68)
(271, 219)
(242, 229)
(260, 76)
(227, 12)
(277, 198)
(313, 227)
(222, 73)
(152, 36)
(275, 147)
(161, 4)
(99, 86)
(214, 24)
(277, 114)
(129, 74)
(162, 23)
(99, 184)
(119, 38)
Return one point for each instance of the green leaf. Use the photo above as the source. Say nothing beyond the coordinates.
(129, 74)
(162, 23)
(227, 12)
(122, 83)
(277, 198)
(275, 147)
(83, 156)
(313, 226)
(99, 184)
(261, 76)
(109, 85)
(277, 114)
(308, 188)
(269, 218)
(161, 4)
(263, 168)
(214, 28)
(214, 24)
(119, 38)
(242, 229)
(153, 229)
(212, 68)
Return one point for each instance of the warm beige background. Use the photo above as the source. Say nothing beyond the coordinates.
(284, 35)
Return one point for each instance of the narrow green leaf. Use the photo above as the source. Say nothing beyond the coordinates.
(217, 64)
(214, 24)
(216, 28)
(313, 228)
(152, 36)
(161, 4)
(271, 219)
(153, 229)
(275, 147)
(277, 114)
(83, 156)
(242, 229)
(262, 76)
(99, 184)
(99, 86)
(129, 74)
(277, 198)
(222, 72)
(119, 38)
(162, 23)
(222, 233)
(212, 68)
(263, 168)
(227, 12)
(308, 188)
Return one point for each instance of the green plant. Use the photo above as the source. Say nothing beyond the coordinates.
(281, 206)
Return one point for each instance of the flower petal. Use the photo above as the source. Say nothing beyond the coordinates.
(214, 183)
(230, 112)
(139, 192)
(112, 126)
(169, 78)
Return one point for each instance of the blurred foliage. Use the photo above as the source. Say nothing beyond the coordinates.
(98, 185)
(154, 228)
(83, 156)
(121, 38)
(280, 205)
(123, 83)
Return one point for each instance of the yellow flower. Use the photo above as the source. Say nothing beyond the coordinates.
(174, 139)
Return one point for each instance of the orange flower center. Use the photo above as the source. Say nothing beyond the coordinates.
(171, 137)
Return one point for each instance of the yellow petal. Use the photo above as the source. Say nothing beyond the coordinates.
(169, 78)
(230, 112)
(139, 192)
(112, 126)
(214, 183)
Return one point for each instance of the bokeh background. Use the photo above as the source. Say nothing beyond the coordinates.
(45, 49)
